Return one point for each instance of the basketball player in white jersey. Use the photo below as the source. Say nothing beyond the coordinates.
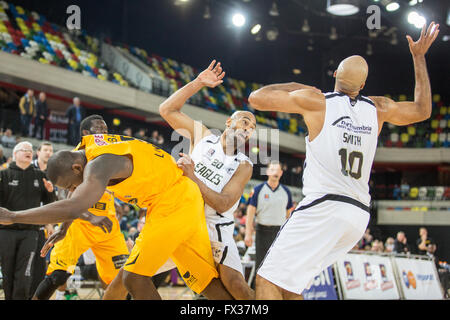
(220, 171)
(343, 128)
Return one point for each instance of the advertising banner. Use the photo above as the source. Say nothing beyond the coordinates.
(367, 277)
(418, 279)
(322, 287)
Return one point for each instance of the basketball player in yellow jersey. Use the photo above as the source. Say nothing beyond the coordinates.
(136, 172)
(77, 236)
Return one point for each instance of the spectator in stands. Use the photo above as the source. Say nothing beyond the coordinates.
(296, 176)
(377, 246)
(41, 116)
(8, 140)
(366, 240)
(157, 138)
(424, 242)
(43, 153)
(21, 187)
(396, 192)
(2, 157)
(401, 243)
(141, 134)
(75, 113)
(27, 110)
(404, 189)
(389, 244)
(127, 132)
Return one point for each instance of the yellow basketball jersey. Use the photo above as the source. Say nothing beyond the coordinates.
(154, 170)
(105, 206)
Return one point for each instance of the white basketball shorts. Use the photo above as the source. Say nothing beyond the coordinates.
(224, 247)
(318, 233)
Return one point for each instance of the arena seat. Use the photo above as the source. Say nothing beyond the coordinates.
(439, 195)
(31, 36)
(422, 193)
(413, 193)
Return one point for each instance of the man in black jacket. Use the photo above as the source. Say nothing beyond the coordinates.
(21, 187)
(41, 116)
(43, 153)
(75, 113)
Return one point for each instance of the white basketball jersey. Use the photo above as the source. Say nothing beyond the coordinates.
(339, 160)
(214, 168)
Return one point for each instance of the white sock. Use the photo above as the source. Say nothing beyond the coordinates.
(60, 295)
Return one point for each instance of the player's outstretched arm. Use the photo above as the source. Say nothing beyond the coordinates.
(289, 97)
(170, 109)
(407, 112)
(96, 176)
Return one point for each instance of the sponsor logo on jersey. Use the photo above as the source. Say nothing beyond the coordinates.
(189, 279)
(133, 201)
(99, 206)
(229, 170)
(119, 261)
(346, 123)
(210, 153)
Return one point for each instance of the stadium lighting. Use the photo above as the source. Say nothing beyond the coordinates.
(207, 13)
(274, 10)
(238, 20)
(180, 2)
(272, 34)
(342, 7)
(369, 51)
(416, 19)
(393, 6)
(305, 27)
(333, 34)
(255, 29)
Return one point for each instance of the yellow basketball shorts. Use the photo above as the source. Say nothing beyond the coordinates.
(175, 228)
(110, 249)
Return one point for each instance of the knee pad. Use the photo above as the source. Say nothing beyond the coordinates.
(50, 283)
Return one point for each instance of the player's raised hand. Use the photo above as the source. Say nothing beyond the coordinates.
(427, 36)
(212, 76)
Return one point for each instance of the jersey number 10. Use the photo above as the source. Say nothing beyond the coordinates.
(351, 162)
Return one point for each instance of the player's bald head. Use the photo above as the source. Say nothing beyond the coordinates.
(351, 74)
(243, 114)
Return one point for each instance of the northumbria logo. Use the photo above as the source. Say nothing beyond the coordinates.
(346, 123)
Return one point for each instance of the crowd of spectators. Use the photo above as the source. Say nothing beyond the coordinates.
(424, 244)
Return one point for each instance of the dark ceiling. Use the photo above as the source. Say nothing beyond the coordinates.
(180, 32)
